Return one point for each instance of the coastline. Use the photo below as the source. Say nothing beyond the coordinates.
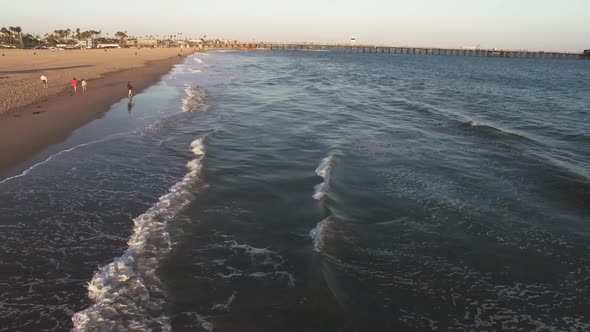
(31, 128)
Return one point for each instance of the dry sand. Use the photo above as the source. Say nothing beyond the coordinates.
(33, 121)
(20, 70)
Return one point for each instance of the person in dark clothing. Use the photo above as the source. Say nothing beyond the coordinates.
(130, 88)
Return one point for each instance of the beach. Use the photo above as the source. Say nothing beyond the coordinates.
(310, 191)
(31, 121)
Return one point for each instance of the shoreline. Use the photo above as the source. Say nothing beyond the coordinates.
(50, 120)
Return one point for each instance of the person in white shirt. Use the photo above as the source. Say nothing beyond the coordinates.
(44, 81)
(84, 85)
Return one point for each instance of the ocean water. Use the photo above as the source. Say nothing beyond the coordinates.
(312, 191)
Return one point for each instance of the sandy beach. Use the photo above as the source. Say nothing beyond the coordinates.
(31, 121)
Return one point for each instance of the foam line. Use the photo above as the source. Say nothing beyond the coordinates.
(195, 98)
(25, 172)
(317, 234)
(127, 293)
(324, 170)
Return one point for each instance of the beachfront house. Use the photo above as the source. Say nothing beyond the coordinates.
(131, 42)
(88, 43)
(147, 42)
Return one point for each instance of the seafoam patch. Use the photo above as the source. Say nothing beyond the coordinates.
(127, 293)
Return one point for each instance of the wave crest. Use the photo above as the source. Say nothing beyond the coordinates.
(195, 98)
(488, 129)
(126, 292)
(324, 170)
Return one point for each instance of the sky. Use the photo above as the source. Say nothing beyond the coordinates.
(514, 24)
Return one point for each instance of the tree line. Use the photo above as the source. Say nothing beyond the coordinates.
(14, 36)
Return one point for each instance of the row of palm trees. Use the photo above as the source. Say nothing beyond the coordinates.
(14, 36)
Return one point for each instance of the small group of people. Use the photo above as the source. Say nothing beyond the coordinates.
(84, 84)
(75, 84)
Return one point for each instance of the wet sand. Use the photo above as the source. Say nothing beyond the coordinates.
(28, 129)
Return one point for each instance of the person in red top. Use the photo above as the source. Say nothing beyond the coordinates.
(74, 83)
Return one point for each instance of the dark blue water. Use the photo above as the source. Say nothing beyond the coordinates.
(313, 191)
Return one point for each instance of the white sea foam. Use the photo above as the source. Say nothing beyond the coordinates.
(225, 306)
(317, 234)
(198, 60)
(324, 170)
(251, 250)
(199, 321)
(195, 98)
(264, 263)
(194, 70)
(126, 292)
(197, 147)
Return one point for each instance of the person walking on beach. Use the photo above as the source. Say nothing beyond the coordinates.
(130, 89)
(74, 84)
(44, 82)
(84, 85)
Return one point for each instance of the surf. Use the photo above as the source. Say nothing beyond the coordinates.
(195, 98)
(127, 292)
(324, 170)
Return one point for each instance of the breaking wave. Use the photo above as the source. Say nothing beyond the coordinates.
(127, 293)
(324, 170)
(195, 98)
(317, 234)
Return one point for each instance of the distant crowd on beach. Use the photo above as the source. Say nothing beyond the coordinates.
(84, 84)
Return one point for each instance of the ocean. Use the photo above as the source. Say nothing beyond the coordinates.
(312, 191)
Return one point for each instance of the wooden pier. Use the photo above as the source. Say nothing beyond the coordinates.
(475, 52)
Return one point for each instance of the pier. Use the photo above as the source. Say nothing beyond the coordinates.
(473, 52)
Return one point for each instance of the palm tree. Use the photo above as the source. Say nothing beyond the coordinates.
(121, 35)
(7, 34)
(18, 31)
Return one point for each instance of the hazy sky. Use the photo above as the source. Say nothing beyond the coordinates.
(521, 24)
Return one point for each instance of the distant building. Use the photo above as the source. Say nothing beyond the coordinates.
(130, 42)
(108, 46)
(147, 42)
(88, 43)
